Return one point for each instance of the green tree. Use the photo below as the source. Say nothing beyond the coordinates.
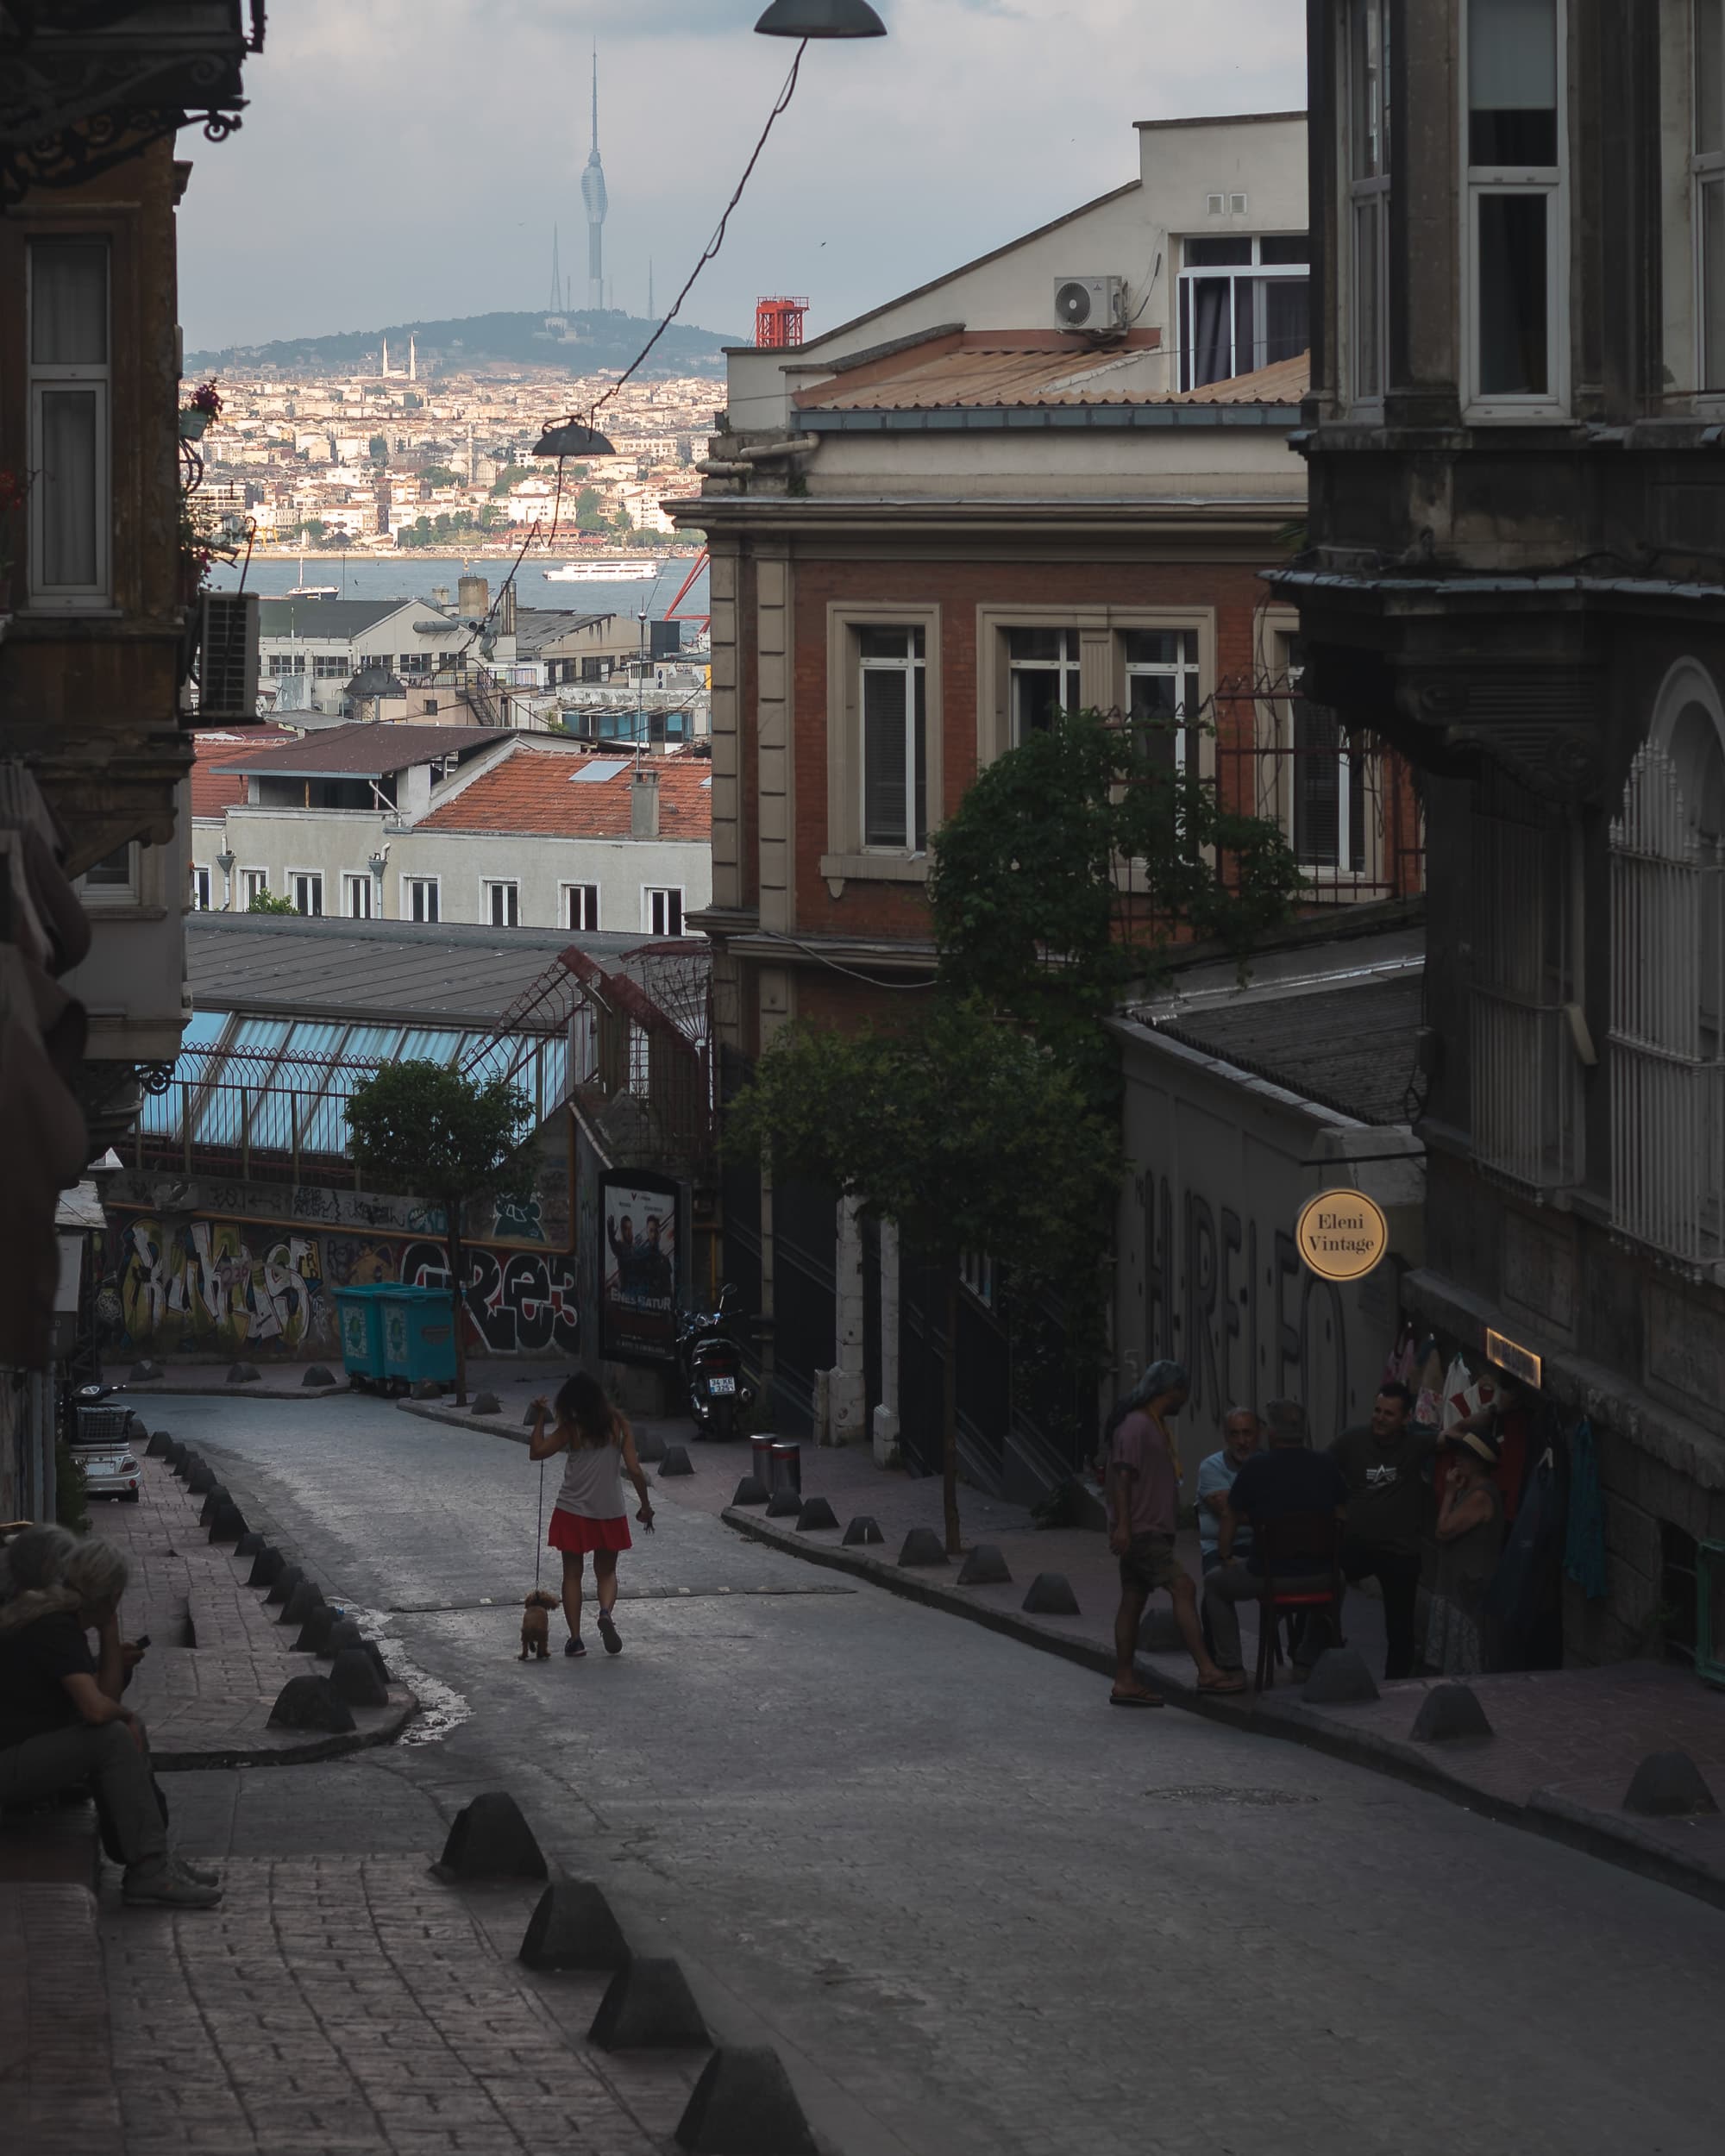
(510, 475)
(966, 1134)
(433, 1133)
(1077, 860)
(623, 521)
(266, 901)
(441, 475)
(379, 449)
(588, 517)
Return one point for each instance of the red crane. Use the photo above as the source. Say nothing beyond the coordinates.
(779, 322)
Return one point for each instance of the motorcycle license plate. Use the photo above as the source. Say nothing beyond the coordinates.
(721, 1384)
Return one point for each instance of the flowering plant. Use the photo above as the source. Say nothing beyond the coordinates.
(207, 399)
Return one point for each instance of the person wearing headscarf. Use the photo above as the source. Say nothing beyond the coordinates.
(1143, 1485)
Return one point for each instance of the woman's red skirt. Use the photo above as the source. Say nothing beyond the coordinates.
(574, 1531)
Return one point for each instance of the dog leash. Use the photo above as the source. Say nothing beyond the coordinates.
(539, 1537)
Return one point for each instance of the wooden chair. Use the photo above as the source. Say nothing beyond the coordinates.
(1301, 1556)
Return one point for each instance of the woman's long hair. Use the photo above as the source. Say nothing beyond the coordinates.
(581, 1403)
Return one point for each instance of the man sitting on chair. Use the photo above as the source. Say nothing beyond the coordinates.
(1288, 1480)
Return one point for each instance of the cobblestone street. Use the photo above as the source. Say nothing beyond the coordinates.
(975, 1910)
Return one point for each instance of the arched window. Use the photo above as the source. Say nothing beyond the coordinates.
(1668, 978)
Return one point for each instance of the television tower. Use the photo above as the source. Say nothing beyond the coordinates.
(592, 194)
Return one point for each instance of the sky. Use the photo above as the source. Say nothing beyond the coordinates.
(405, 160)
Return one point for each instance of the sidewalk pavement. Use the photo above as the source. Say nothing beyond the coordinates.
(1565, 1742)
(217, 1659)
(274, 1381)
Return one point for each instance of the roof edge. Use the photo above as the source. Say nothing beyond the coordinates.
(1223, 120)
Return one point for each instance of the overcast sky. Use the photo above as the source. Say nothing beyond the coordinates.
(407, 160)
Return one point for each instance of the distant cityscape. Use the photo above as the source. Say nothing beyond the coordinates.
(379, 460)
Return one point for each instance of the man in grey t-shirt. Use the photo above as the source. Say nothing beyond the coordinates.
(1242, 1436)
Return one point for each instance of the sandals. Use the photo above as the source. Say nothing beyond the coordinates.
(1135, 1699)
(1231, 1682)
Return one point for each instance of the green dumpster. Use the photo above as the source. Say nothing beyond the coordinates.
(361, 1322)
(418, 1334)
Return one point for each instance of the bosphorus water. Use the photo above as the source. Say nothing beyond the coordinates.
(413, 575)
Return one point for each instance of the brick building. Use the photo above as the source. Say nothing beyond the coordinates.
(1050, 479)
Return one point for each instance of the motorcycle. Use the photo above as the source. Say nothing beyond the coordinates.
(711, 1361)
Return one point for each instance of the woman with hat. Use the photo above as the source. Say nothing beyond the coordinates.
(1469, 1540)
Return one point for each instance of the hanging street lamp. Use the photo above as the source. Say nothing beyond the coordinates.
(820, 18)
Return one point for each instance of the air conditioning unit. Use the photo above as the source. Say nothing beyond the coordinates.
(1090, 303)
(227, 659)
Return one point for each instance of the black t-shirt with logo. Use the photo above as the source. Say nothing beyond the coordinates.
(1389, 1497)
(35, 1659)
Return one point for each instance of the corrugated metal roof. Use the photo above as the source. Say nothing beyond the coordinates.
(367, 749)
(338, 618)
(360, 970)
(1348, 1048)
(1001, 373)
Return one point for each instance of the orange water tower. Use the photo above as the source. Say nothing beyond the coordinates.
(779, 322)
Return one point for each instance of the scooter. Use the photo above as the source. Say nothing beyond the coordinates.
(711, 1366)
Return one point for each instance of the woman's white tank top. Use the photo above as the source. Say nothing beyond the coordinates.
(593, 1482)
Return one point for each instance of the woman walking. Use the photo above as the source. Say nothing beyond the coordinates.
(589, 1512)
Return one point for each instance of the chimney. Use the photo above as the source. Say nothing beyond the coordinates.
(644, 803)
(505, 619)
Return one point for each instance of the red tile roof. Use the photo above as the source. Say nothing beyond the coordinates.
(214, 790)
(537, 791)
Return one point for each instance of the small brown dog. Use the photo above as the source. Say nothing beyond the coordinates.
(536, 1625)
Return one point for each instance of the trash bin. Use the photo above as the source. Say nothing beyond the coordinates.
(361, 1323)
(787, 1466)
(418, 1335)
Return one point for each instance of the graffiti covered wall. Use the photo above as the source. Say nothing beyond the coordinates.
(200, 1268)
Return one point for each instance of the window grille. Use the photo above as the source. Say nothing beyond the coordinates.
(1667, 1002)
(1525, 1072)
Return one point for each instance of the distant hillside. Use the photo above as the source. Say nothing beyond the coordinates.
(589, 340)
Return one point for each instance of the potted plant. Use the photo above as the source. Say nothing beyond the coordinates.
(204, 410)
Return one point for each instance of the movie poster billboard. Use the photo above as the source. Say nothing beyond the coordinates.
(638, 1293)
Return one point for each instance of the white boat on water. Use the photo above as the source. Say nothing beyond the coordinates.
(302, 590)
(616, 568)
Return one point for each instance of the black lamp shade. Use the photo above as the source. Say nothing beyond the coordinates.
(820, 18)
(574, 440)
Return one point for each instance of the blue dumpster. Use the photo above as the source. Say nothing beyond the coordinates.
(361, 1322)
(418, 1334)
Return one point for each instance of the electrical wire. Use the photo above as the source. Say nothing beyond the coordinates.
(712, 246)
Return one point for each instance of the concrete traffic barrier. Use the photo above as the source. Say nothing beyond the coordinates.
(244, 1374)
(249, 1544)
(1338, 1678)
(317, 1375)
(784, 1504)
(648, 2005)
(1668, 1785)
(314, 1633)
(1050, 1596)
(491, 1839)
(344, 1633)
(572, 1928)
(202, 1479)
(144, 1373)
(815, 1511)
(649, 1446)
(922, 1546)
(426, 1388)
(228, 1524)
(1447, 1711)
(268, 1567)
(751, 1490)
(215, 1494)
(744, 2105)
(487, 1404)
(283, 1585)
(159, 1444)
(299, 1605)
(676, 1461)
(863, 1528)
(984, 1566)
(355, 1680)
(311, 1702)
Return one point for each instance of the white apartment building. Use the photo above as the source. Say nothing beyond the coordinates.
(427, 822)
(310, 649)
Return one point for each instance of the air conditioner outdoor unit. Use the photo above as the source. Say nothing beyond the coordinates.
(227, 659)
(1090, 303)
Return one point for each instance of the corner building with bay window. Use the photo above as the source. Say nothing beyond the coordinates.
(1517, 544)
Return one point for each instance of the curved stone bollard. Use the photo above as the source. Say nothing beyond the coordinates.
(744, 2105)
(572, 1928)
(310, 1703)
(491, 1839)
(356, 1680)
(1449, 1711)
(648, 2005)
(864, 1528)
(1050, 1596)
(984, 1566)
(922, 1546)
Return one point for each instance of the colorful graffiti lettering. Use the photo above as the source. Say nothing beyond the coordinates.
(520, 1303)
(202, 1284)
(519, 1216)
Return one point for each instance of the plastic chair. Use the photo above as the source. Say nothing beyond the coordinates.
(1298, 1550)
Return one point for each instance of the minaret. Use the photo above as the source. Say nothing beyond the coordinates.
(412, 360)
(592, 194)
(385, 358)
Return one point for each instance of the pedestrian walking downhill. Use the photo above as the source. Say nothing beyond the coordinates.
(589, 1517)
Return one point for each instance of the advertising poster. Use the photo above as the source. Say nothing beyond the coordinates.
(638, 1293)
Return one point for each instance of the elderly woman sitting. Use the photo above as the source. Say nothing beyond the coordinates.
(61, 1719)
